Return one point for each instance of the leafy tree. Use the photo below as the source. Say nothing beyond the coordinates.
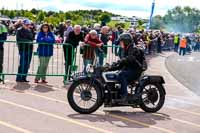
(34, 11)
(23, 12)
(120, 24)
(41, 16)
(62, 17)
(68, 15)
(140, 25)
(76, 19)
(82, 17)
(2, 11)
(12, 14)
(182, 19)
(29, 15)
(157, 22)
(18, 13)
(114, 24)
(50, 13)
(6, 12)
(51, 20)
(105, 17)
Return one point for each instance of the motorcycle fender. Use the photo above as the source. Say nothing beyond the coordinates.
(98, 83)
(81, 78)
(152, 79)
(156, 79)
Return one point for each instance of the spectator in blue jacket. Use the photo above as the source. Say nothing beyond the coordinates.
(3, 37)
(46, 39)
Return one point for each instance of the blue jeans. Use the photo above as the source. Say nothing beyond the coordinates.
(182, 50)
(176, 48)
(25, 60)
(100, 56)
(100, 59)
(125, 77)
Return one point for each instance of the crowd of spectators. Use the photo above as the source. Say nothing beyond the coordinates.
(93, 41)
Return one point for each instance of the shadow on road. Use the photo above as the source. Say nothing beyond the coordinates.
(21, 87)
(43, 88)
(124, 119)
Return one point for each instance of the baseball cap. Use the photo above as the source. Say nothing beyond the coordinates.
(26, 22)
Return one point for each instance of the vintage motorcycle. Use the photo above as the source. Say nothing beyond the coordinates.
(99, 86)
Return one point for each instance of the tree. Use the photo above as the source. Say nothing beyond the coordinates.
(29, 15)
(78, 17)
(23, 12)
(18, 13)
(61, 17)
(12, 14)
(105, 18)
(157, 22)
(140, 24)
(41, 16)
(52, 20)
(182, 19)
(120, 24)
(50, 13)
(68, 15)
(34, 11)
(6, 12)
(2, 11)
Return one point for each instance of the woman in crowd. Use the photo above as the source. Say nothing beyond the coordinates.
(46, 39)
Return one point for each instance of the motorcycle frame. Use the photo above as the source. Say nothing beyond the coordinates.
(139, 86)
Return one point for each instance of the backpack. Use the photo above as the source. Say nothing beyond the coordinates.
(139, 54)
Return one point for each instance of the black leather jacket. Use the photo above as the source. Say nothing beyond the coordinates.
(134, 60)
(24, 39)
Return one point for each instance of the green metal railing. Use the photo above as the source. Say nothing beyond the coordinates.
(72, 60)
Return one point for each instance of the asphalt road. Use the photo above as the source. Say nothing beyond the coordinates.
(186, 69)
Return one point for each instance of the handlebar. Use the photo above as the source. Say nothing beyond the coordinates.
(107, 66)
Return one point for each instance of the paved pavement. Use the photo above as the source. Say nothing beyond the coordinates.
(186, 70)
(37, 108)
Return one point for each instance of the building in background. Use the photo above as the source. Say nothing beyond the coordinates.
(133, 20)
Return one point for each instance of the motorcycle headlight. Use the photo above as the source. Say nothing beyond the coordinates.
(89, 68)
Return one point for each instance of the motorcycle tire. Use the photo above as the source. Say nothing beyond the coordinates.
(79, 109)
(160, 103)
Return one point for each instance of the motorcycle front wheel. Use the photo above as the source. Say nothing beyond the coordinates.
(152, 98)
(84, 97)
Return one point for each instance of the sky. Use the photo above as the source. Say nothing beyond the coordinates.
(140, 8)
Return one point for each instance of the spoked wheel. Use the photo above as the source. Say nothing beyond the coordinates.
(84, 97)
(153, 98)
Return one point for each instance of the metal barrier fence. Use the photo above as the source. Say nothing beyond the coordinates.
(64, 62)
(30, 55)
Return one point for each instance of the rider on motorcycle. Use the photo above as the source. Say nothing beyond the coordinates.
(131, 65)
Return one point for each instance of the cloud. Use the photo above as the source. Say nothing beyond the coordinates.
(123, 7)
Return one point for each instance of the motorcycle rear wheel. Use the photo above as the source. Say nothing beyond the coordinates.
(85, 94)
(153, 95)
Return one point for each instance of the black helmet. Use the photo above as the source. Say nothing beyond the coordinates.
(126, 38)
